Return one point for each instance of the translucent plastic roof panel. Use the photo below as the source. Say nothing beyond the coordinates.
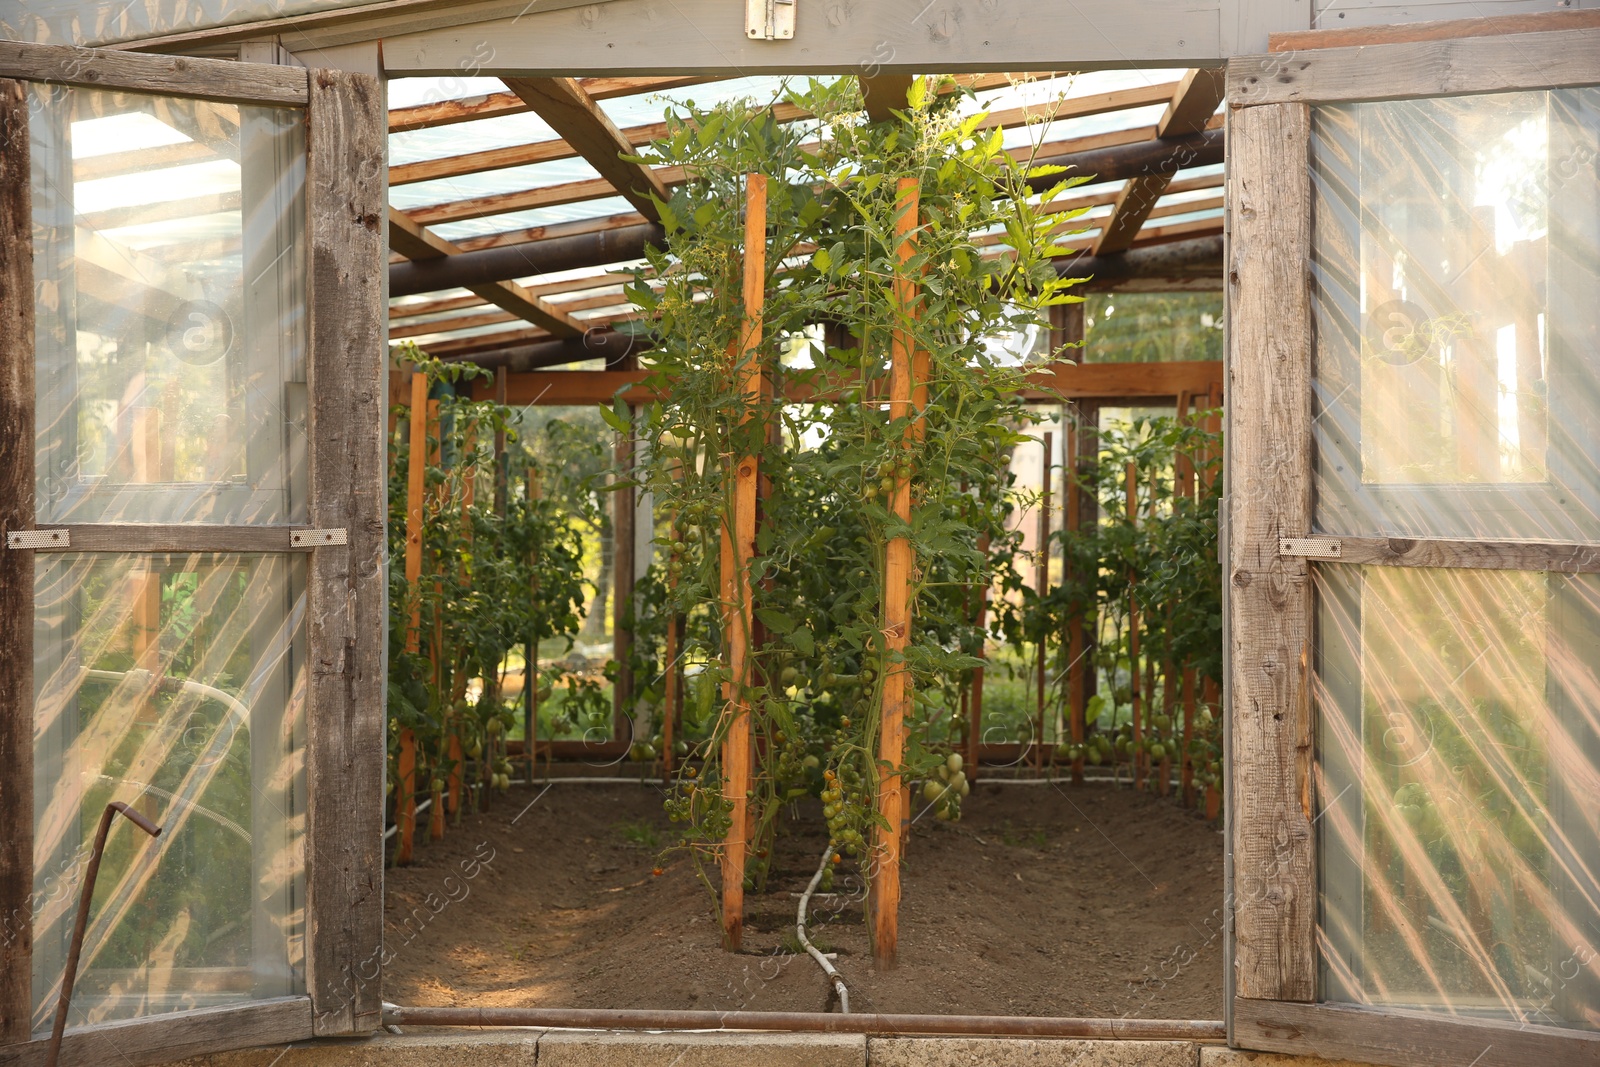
(493, 183)
(521, 220)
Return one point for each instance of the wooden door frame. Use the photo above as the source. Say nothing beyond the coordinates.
(346, 133)
(1272, 902)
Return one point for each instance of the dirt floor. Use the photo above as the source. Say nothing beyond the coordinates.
(1042, 900)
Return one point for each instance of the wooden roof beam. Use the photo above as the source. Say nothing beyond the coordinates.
(1191, 109)
(413, 241)
(574, 115)
(449, 112)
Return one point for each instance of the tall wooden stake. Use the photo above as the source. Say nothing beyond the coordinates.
(1133, 640)
(416, 471)
(738, 548)
(1071, 523)
(975, 702)
(1041, 585)
(530, 658)
(623, 533)
(897, 693)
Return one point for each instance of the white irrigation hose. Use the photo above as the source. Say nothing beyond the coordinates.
(800, 932)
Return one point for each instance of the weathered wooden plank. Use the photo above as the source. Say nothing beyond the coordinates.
(692, 36)
(16, 567)
(170, 1038)
(1447, 552)
(1406, 71)
(1268, 617)
(1406, 1038)
(205, 79)
(180, 537)
(885, 94)
(347, 587)
(1439, 30)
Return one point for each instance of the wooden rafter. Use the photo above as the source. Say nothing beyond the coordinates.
(450, 112)
(574, 115)
(599, 188)
(1191, 109)
(412, 240)
(885, 94)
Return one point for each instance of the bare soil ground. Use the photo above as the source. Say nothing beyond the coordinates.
(1043, 900)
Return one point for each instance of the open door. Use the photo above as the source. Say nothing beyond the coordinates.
(192, 588)
(1414, 550)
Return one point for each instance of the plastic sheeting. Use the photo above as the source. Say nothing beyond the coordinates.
(171, 327)
(1457, 261)
(177, 685)
(1459, 762)
(1457, 395)
(102, 22)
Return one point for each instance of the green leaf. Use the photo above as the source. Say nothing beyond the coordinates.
(614, 418)
(803, 642)
(821, 260)
(775, 620)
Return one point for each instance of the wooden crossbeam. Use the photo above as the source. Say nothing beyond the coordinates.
(574, 115)
(413, 240)
(1191, 109)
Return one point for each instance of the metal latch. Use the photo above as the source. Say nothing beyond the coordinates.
(317, 538)
(769, 20)
(1311, 547)
(38, 539)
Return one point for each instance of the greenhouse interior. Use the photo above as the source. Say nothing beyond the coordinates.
(639, 532)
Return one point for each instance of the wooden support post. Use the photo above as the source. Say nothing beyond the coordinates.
(530, 659)
(17, 487)
(1041, 585)
(671, 691)
(622, 581)
(502, 469)
(898, 576)
(406, 797)
(1071, 524)
(415, 480)
(1183, 477)
(416, 471)
(737, 549)
(975, 701)
(1133, 639)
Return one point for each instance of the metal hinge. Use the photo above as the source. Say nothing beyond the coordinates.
(769, 20)
(1311, 547)
(38, 539)
(317, 538)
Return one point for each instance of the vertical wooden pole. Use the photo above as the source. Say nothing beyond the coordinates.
(897, 693)
(1072, 523)
(671, 693)
(17, 475)
(415, 475)
(1183, 476)
(975, 701)
(530, 657)
(737, 549)
(1133, 639)
(416, 472)
(1041, 585)
(623, 532)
